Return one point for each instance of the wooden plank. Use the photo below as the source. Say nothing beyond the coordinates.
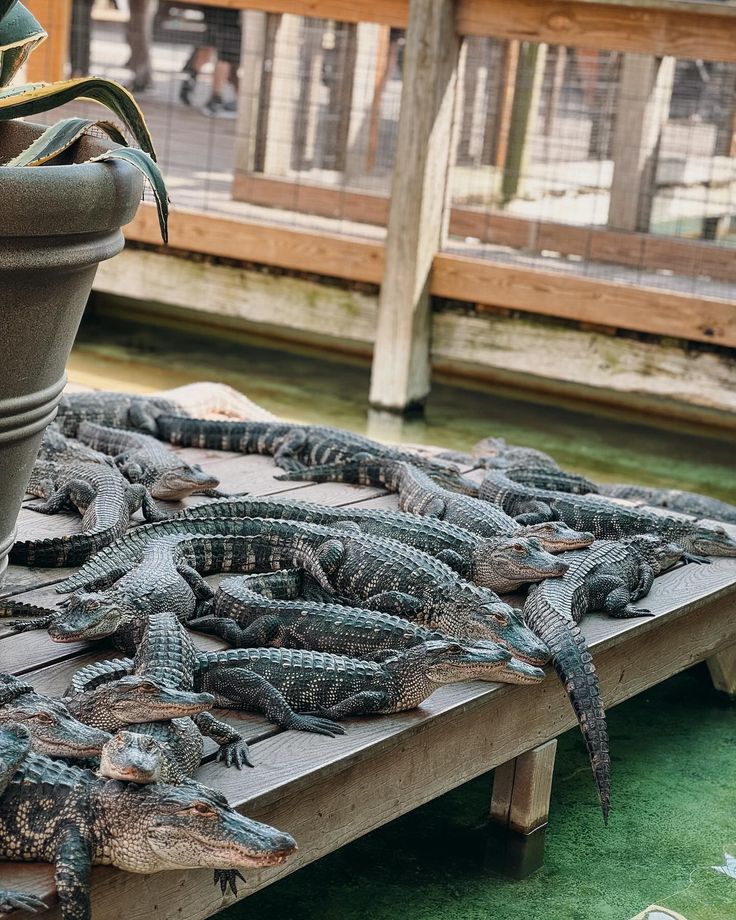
(722, 667)
(48, 61)
(683, 30)
(522, 789)
(585, 300)
(387, 12)
(640, 250)
(390, 765)
(400, 376)
(303, 250)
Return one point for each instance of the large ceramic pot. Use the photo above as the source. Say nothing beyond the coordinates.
(58, 223)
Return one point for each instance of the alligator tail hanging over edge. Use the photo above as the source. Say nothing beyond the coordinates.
(574, 665)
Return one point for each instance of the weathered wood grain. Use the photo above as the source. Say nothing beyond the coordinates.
(722, 668)
(522, 789)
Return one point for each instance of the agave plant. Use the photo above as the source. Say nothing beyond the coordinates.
(20, 34)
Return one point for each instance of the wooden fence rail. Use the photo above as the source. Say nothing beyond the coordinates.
(419, 227)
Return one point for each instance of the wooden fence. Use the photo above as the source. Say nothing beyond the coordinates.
(413, 264)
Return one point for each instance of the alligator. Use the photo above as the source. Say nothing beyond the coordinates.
(114, 410)
(608, 577)
(292, 446)
(282, 684)
(58, 448)
(501, 564)
(64, 815)
(556, 480)
(421, 495)
(699, 506)
(495, 453)
(143, 459)
(168, 656)
(373, 572)
(15, 745)
(270, 610)
(104, 498)
(53, 730)
(605, 519)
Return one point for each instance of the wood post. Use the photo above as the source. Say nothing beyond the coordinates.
(519, 811)
(529, 77)
(418, 212)
(369, 54)
(283, 96)
(252, 58)
(642, 110)
(722, 667)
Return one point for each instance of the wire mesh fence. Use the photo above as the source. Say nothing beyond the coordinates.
(597, 163)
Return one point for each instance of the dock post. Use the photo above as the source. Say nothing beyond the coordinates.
(527, 95)
(418, 213)
(519, 812)
(722, 668)
(252, 58)
(642, 110)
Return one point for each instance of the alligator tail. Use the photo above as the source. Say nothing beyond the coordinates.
(368, 471)
(71, 549)
(574, 666)
(242, 437)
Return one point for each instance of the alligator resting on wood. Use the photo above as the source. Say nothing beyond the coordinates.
(87, 820)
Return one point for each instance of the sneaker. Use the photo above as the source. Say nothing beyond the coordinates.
(216, 108)
(186, 90)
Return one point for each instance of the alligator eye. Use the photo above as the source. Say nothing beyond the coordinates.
(202, 810)
(44, 718)
(148, 687)
(454, 648)
(519, 548)
(500, 619)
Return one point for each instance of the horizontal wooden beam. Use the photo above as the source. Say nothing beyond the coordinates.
(385, 12)
(661, 27)
(299, 250)
(587, 300)
(477, 281)
(684, 30)
(597, 244)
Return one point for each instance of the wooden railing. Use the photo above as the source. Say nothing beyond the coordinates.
(412, 265)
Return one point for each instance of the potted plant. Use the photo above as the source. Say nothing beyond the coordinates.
(64, 195)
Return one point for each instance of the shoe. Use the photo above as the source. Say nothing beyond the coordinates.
(216, 108)
(186, 90)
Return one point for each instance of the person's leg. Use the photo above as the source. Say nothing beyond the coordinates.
(140, 39)
(226, 35)
(197, 59)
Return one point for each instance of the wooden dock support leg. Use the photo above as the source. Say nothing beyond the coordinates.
(418, 213)
(519, 812)
(722, 667)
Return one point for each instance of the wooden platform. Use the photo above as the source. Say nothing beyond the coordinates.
(327, 792)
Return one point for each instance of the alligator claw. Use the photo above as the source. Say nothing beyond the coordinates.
(319, 726)
(11, 900)
(698, 560)
(20, 626)
(235, 754)
(228, 878)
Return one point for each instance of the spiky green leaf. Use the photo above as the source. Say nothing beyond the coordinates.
(59, 137)
(151, 171)
(20, 33)
(32, 98)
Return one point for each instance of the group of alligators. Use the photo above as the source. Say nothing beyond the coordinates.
(335, 612)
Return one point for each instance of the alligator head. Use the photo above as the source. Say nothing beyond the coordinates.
(504, 565)
(136, 699)
(452, 662)
(132, 757)
(709, 541)
(505, 624)
(160, 826)
(88, 616)
(53, 729)
(181, 481)
(652, 549)
(557, 537)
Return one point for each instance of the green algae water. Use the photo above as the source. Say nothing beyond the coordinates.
(115, 353)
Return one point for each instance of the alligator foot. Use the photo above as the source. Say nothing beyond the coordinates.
(315, 724)
(629, 612)
(20, 626)
(698, 560)
(11, 900)
(228, 878)
(235, 754)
